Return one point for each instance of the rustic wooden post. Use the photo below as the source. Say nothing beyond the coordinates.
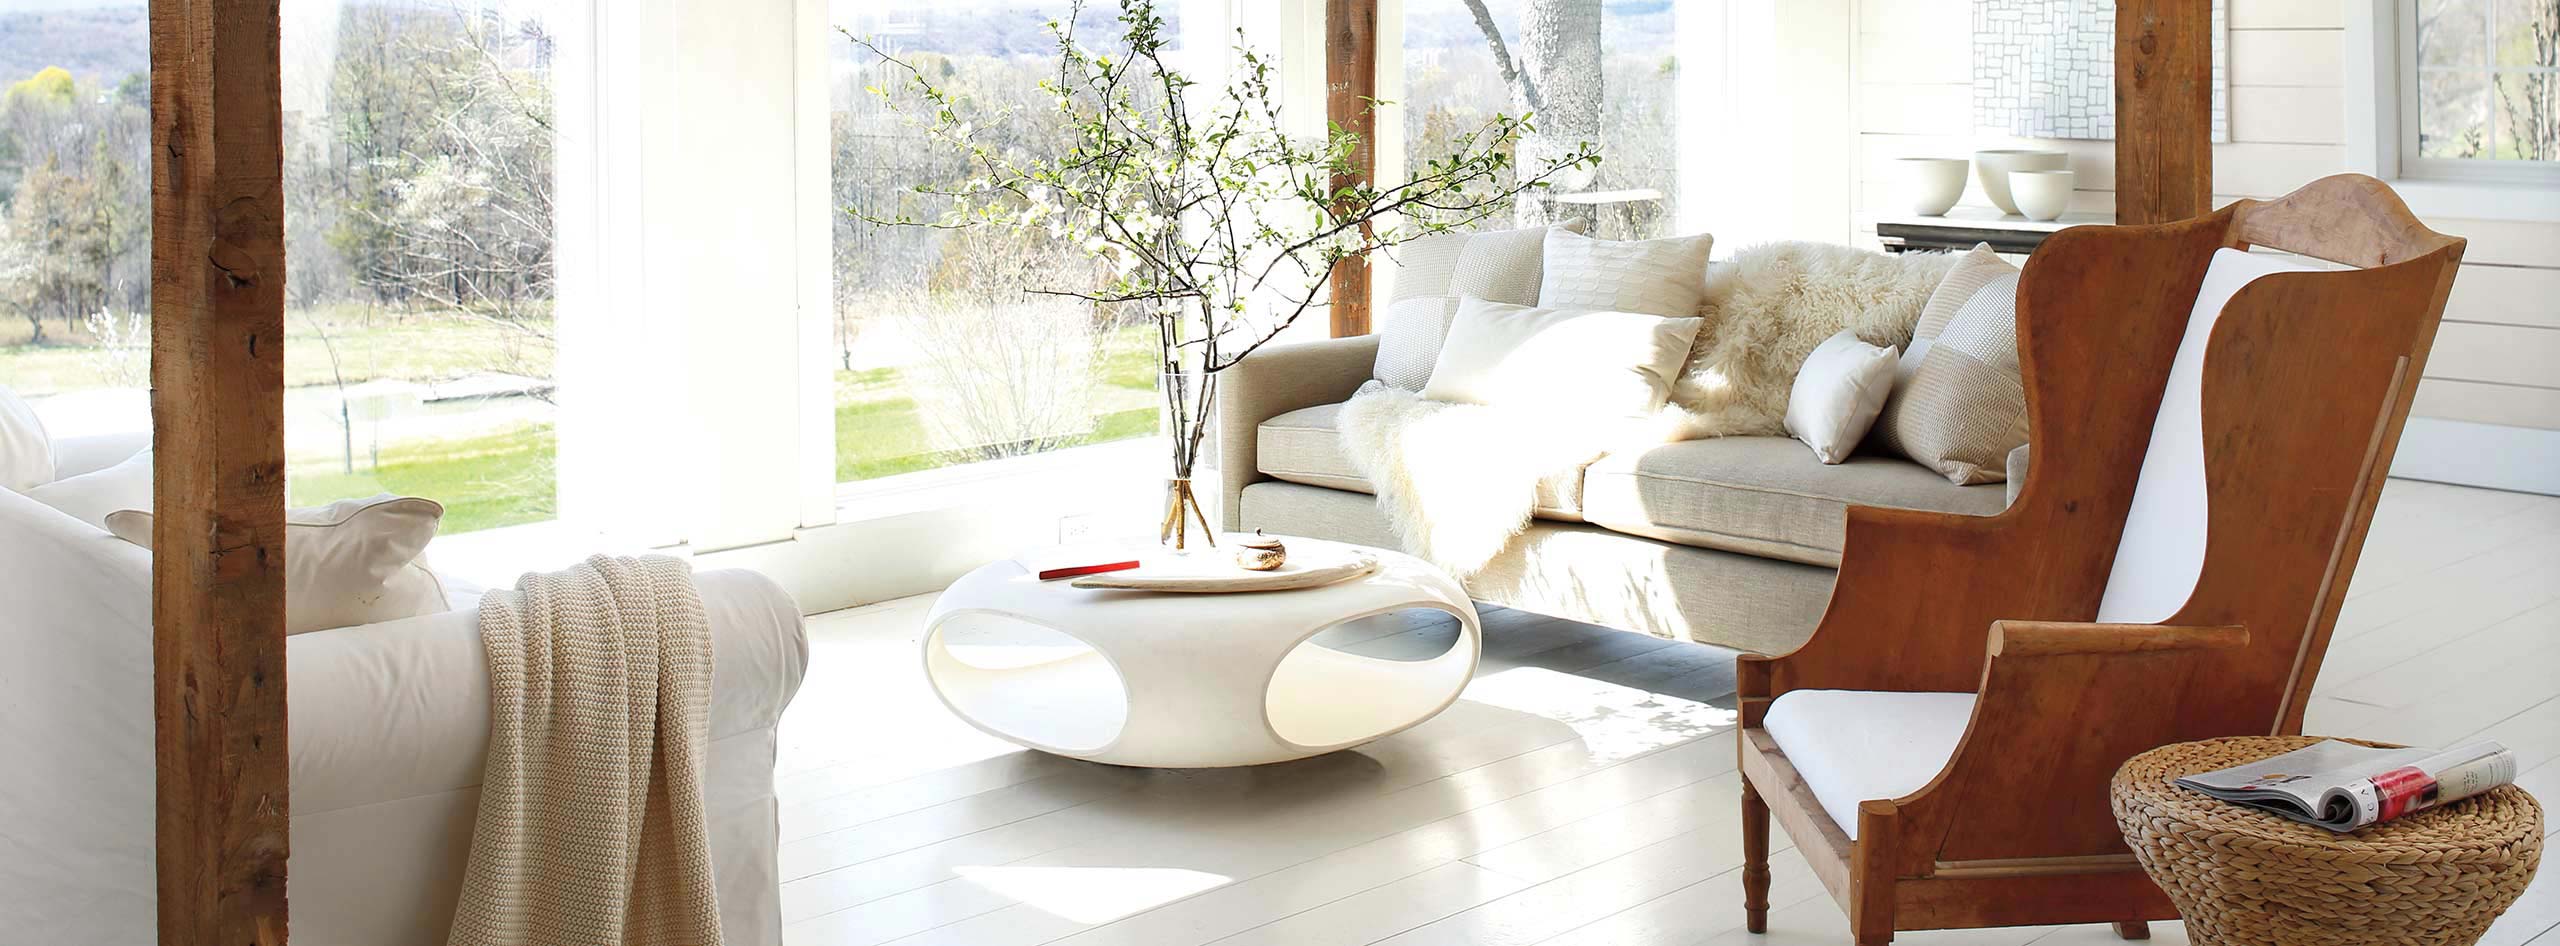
(2164, 110)
(217, 404)
(1351, 82)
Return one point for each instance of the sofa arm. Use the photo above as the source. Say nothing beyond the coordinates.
(1272, 382)
(73, 456)
(398, 709)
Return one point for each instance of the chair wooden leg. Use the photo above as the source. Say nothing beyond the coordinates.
(2133, 929)
(1755, 860)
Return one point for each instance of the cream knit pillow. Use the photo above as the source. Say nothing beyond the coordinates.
(1585, 364)
(1656, 277)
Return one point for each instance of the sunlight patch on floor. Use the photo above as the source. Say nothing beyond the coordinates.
(1615, 722)
(1093, 895)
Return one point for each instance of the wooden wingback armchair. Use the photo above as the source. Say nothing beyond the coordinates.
(1940, 748)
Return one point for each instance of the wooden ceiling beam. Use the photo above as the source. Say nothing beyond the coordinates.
(217, 405)
(2164, 110)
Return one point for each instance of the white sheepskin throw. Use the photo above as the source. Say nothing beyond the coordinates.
(1767, 309)
(1458, 481)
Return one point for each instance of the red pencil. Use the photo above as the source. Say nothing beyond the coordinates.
(1072, 571)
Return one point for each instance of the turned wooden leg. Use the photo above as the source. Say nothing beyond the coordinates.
(2133, 929)
(1755, 860)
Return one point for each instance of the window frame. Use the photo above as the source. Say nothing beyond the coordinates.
(2416, 165)
(2379, 82)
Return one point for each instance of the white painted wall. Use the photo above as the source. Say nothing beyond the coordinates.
(2497, 358)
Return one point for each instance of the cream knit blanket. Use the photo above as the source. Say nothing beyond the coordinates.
(591, 825)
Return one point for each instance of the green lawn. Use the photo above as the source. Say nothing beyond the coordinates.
(500, 479)
(371, 343)
(506, 477)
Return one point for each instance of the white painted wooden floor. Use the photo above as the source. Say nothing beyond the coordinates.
(1583, 793)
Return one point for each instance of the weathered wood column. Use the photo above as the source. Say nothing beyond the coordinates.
(1351, 82)
(217, 405)
(2164, 110)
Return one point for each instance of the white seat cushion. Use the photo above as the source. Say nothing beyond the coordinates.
(1855, 745)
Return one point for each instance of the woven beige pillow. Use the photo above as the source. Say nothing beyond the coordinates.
(1431, 274)
(1963, 407)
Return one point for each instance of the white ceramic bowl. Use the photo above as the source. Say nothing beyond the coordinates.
(1993, 168)
(2041, 195)
(1930, 185)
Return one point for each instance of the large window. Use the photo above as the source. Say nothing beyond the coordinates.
(2480, 88)
(75, 215)
(943, 353)
(1592, 70)
(418, 194)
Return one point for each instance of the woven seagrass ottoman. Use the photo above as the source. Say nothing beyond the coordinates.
(2247, 878)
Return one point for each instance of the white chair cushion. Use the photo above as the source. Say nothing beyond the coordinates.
(1854, 745)
(2161, 554)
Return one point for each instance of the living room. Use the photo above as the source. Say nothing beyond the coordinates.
(1324, 471)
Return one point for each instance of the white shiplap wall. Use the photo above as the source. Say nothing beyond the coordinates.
(2497, 359)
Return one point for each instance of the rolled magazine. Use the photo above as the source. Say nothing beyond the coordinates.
(2342, 786)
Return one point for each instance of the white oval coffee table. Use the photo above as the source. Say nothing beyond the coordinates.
(1189, 680)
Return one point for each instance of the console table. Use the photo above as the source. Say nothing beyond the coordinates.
(1963, 227)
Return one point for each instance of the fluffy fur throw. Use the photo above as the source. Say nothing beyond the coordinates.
(1459, 481)
(1769, 307)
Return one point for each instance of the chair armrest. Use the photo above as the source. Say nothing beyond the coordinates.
(401, 708)
(1907, 613)
(1272, 382)
(73, 456)
(2062, 705)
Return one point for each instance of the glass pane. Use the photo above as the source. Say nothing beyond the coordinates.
(75, 216)
(418, 172)
(1601, 72)
(2453, 114)
(2452, 32)
(2528, 33)
(943, 355)
(2528, 124)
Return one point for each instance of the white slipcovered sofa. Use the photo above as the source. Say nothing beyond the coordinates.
(388, 727)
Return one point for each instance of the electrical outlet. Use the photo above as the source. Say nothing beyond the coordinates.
(1074, 529)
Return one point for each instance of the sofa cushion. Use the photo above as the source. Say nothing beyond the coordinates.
(1305, 446)
(1855, 745)
(1765, 496)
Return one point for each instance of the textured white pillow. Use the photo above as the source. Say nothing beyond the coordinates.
(1431, 273)
(1657, 277)
(351, 562)
(26, 454)
(1838, 393)
(90, 497)
(1592, 363)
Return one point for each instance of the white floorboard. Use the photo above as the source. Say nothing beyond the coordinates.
(1581, 794)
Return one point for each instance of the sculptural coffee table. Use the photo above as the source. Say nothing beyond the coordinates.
(1189, 680)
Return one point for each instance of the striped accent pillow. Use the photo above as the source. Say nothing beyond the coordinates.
(1963, 407)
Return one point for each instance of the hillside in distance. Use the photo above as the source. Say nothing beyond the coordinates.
(100, 45)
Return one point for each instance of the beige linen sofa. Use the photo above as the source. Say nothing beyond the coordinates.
(1730, 541)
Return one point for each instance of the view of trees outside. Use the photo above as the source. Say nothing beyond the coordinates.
(942, 356)
(1604, 71)
(418, 224)
(2489, 79)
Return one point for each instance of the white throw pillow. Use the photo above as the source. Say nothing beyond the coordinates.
(1431, 273)
(1656, 277)
(90, 497)
(26, 454)
(351, 562)
(1592, 363)
(1838, 393)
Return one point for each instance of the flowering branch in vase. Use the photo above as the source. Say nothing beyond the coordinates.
(1206, 213)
